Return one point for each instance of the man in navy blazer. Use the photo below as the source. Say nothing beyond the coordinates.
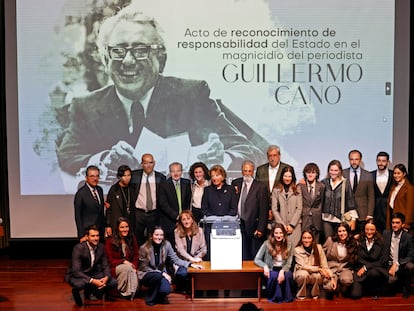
(146, 211)
(252, 209)
(401, 249)
(89, 270)
(174, 201)
(89, 204)
(364, 192)
(382, 178)
(106, 124)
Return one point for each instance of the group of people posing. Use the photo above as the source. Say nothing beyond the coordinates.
(350, 233)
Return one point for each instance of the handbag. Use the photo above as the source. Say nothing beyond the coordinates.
(346, 216)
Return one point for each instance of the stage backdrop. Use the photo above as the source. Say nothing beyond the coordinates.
(313, 77)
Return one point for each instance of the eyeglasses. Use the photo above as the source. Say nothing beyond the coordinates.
(140, 52)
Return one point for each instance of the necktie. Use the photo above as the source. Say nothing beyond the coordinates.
(311, 191)
(95, 195)
(243, 199)
(137, 118)
(394, 250)
(355, 185)
(178, 192)
(148, 194)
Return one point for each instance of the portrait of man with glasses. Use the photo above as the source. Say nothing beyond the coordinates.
(107, 125)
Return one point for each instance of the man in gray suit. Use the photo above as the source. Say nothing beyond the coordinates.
(362, 187)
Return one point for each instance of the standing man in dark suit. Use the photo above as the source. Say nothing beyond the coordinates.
(269, 173)
(401, 248)
(89, 270)
(133, 52)
(147, 182)
(363, 188)
(89, 204)
(253, 206)
(312, 197)
(175, 197)
(382, 178)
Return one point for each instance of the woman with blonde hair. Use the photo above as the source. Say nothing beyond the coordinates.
(190, 244)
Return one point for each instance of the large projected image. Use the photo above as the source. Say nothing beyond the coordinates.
(213, 81)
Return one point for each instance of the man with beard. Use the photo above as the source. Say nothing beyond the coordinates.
(382, 177)
(253, 209)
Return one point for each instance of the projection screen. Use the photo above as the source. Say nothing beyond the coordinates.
(317, 78)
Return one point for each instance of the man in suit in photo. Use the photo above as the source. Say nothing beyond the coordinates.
(147, 182)
(312, 197)
(253, 210)
(401, 249)
(89, 270)
(382, 178)
(106, 125)
(175, 197)
(363, 188)
(89, 204)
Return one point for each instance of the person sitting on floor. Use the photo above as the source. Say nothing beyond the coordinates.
(89, 270)
(371, 273)
(154, 256)
(122, 251)
(190, 244)
(400, 245)
(275, 256)
(341, 253)
(311, 267)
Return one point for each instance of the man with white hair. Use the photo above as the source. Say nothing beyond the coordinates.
(106, 125)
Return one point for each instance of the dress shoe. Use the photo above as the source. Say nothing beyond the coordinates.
(375, 297)
(406, 292)
(164, 301)
(77, 297)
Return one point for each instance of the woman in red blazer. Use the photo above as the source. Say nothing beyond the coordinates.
(401, 198)
(122, 252)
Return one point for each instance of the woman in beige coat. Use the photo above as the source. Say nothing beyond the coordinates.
(311, 267)
(287, 205)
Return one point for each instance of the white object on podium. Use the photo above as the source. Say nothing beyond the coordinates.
(226, 245)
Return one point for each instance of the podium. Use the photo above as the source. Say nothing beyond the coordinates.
(225, 243)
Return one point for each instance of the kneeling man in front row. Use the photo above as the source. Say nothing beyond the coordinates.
(89, 270)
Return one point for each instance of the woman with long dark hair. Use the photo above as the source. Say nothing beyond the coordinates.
(401, 198)
(311, 267)
(122, 252)
(154, 255)
(371, 267)
(341, 253)
(275, 256)
(287, 204)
